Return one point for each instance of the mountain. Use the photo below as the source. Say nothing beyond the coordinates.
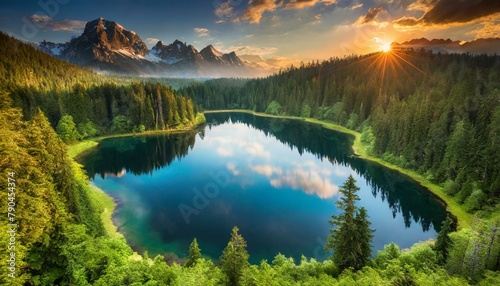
(480, 46)
(106, 46)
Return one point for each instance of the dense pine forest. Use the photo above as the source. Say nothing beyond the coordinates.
(64, 234)
(438, 114)
(80, 103)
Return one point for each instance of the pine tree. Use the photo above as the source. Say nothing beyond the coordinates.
(364, 236)
(351, 236)
(443, 241)
(194, 253)
(234, 257)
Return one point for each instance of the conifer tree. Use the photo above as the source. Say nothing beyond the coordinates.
(350, 237)
(234, 257)
(194, 253)
(443, 241)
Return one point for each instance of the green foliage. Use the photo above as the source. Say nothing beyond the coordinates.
(194, 254)
(66, 129)
(121, 124)
(87, 130)
(200, 119)
(305, 111)
(443, 241)
(234, 258)
(274, 108)
(475, 250)
(351, 236)
(475, 201)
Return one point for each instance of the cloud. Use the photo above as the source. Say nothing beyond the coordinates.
(307, 177)
(370, 16)
(490, 28)
(443, 12)
(252, 50)
(224, 12)
(233, 169)
(282, 62)
(267, 170)
(223, 152)
(256, 8)
(47, 23)
(299, 4)
(356, 6)
(256, 149)
(152, 41)
(202, 32)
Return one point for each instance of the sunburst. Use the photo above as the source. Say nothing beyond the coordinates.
(385, 47)
(389, 65)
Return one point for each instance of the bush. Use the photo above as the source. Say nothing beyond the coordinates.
(451, 187)
(274, 108)
(121, 124)
(475, 200)
(67, 130)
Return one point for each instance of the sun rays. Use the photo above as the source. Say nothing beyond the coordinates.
(389, 66)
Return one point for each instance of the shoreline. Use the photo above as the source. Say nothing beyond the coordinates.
(81, 148)
(108, 202)
(463, 218)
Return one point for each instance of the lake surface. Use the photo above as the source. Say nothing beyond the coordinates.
(276, 179)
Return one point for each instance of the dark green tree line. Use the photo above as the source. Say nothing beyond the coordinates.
(437, 114)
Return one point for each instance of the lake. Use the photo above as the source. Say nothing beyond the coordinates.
(276, 179)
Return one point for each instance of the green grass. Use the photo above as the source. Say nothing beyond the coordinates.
(107, 205)
(81, 147)
(464, 218)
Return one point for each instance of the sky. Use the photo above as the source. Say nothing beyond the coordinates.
(272, 29)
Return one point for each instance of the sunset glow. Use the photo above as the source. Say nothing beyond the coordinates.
(385, 47)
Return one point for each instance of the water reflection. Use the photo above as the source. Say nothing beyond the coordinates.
(144, 155)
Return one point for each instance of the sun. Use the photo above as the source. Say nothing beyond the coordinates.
(385, 47)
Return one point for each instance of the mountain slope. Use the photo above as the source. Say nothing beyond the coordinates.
(106, 46)
(488, 46)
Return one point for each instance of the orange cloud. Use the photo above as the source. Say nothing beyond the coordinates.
(256, 8)
(370, 16)
(224, 12)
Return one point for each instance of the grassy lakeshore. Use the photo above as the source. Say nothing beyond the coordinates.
(79, 148)
(464, 218)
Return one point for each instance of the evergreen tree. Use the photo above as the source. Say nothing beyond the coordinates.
(443, 241)
(364, 236)
(234, 258)
(66, 129)
(194, 253)
(351, 236)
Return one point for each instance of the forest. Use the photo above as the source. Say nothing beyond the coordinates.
(80, 103)
(437, 114)
(63, 236)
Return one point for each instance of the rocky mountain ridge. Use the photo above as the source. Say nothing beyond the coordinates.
(107, 47)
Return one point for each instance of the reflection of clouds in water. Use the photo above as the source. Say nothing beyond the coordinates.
(258, 150)
(267, 170)
(232, 168)
(224, 152)
(311, 179)
(225, 147)
(122, 173)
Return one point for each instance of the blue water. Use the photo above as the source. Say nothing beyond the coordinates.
(277, 180)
